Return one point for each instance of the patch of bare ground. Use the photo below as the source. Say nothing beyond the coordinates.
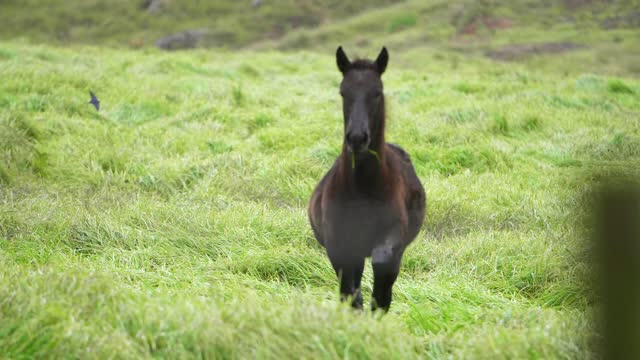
(490, 23)
(520, 51)
(630, 20)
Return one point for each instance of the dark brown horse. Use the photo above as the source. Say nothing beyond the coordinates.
(371, 202)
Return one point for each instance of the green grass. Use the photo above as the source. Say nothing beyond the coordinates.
(618, 86)
(402, 22)
(172, 223)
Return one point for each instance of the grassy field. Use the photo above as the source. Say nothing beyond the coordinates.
(172, 223)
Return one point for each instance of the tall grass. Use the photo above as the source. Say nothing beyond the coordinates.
(172, 222)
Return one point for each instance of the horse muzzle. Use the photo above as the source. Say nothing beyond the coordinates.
(358, 141)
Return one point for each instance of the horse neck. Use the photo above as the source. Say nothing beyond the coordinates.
(377, 139)
(366, 172)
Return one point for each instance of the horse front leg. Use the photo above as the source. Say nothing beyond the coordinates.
(384, 276)
(385, 260)
(349, 271)
(357, 277)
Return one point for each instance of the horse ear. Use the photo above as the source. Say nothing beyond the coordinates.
(382, 60)
(342, 60)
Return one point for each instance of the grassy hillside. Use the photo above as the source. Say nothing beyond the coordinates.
(608, 28)
(172, 223)
(129, 23)
(585, 36)
(588, 36)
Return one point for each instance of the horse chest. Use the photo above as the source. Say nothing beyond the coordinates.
(359, 223)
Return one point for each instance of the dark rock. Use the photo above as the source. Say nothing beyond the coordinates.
(184, 40)
(153, 6)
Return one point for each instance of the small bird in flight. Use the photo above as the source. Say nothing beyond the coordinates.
(94, 100)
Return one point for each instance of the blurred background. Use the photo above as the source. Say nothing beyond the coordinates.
(495, 29)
